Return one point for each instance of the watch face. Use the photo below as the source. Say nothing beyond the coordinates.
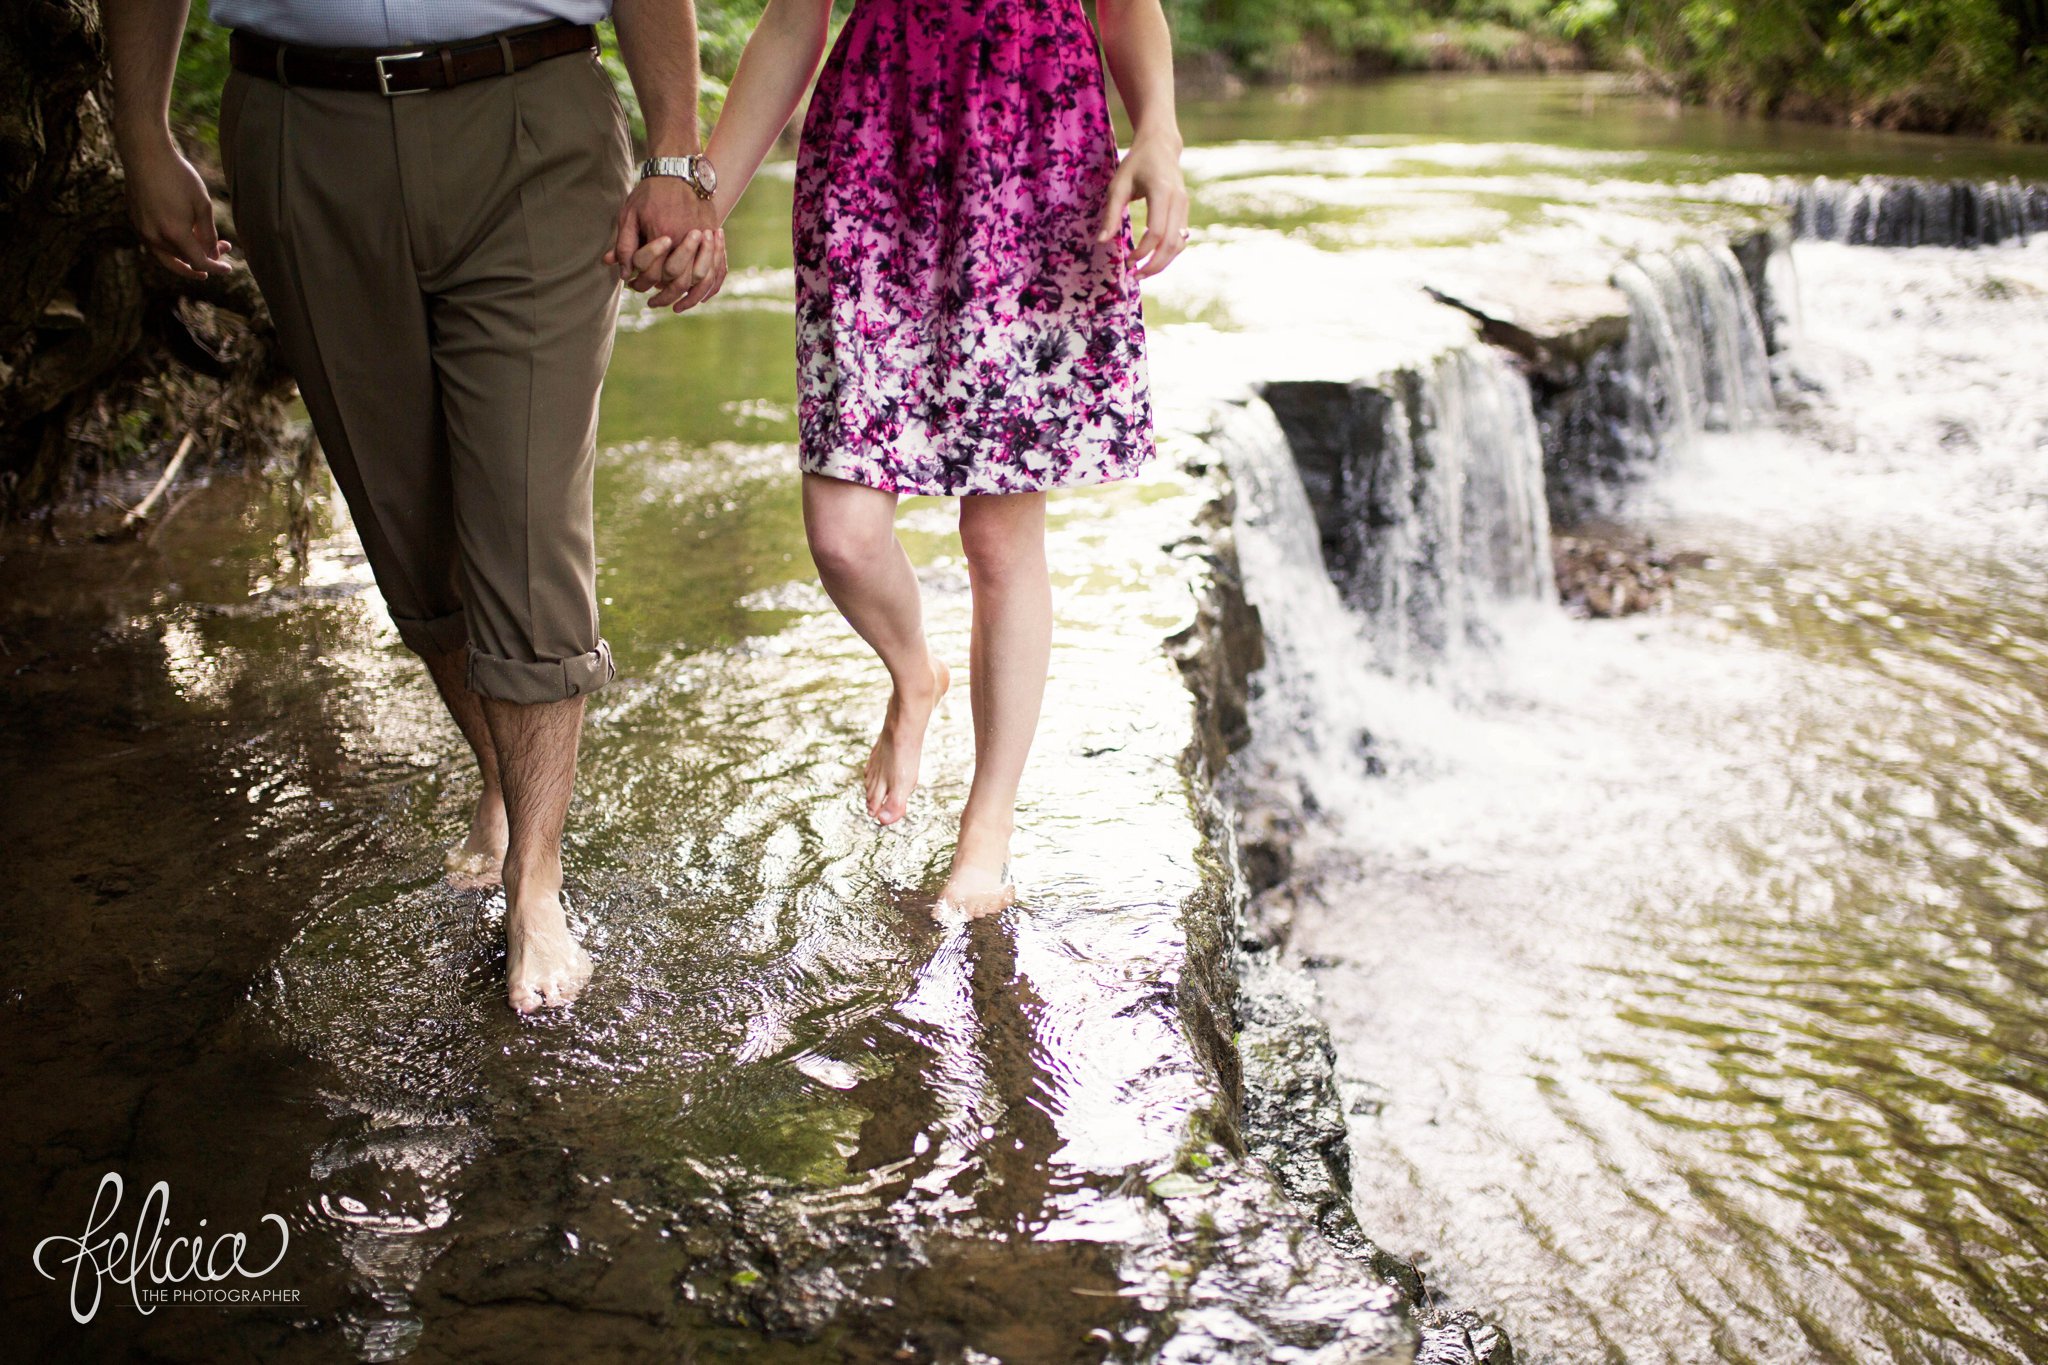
(706, 176)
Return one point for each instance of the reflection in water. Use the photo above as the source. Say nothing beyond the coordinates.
(787, 1086)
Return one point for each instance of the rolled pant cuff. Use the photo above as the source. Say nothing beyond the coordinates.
(436, 635)
(548, 680)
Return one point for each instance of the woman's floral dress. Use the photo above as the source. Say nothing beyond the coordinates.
(959, 328)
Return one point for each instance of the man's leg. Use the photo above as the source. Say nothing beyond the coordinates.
(319, 214)
(536, 744)
(479, 860)
(526, 173)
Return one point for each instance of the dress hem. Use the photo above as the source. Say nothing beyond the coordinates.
(914, 489)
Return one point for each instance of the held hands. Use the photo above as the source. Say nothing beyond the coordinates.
(1151, 172)
(173, 213)
(669, 243)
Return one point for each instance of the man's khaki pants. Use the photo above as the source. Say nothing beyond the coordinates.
(434, 265)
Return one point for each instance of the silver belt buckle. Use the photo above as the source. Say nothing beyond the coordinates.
(384, 73)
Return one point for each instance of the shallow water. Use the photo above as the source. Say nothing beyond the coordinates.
(1603, 1067)
(234, 965)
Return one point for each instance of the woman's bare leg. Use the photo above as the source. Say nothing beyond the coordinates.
(1004, 537)
(852, 531)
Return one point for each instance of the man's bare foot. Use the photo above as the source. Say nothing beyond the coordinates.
(979, 882)
(544, 964)
(892, 765)
(478, 862)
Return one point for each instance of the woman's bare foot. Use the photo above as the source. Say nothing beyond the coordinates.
(979, 882)
(478, 862)
(544, 964)
(892, 765)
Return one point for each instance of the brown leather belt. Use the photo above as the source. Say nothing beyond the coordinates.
(407, 70)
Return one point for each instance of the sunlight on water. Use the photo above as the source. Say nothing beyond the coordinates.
(785, 1062)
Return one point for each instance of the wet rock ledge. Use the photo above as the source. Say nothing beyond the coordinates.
(1287, 1111)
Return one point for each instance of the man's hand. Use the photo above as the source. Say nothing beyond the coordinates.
(669, 242)
(173, 213)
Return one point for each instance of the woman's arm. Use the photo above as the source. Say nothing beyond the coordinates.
(661, 216)
(777, 66)
(1140, 52)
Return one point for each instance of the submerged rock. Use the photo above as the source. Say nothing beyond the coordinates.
(1223, 646)
(1294, 1123)
(1614, 572)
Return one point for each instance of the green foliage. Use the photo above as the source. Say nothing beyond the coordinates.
(1946, 65)
(1958, 65)
(722, 30)
(1261, 35)
(202, 69)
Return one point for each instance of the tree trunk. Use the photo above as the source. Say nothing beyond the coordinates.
(104, 355)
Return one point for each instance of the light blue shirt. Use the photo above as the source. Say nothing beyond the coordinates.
(395, 23)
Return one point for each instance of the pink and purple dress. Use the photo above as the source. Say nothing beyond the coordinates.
(959, 328)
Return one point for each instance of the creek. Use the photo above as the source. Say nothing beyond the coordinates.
(1682, 971)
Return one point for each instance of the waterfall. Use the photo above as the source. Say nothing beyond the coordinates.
(1696, 358)
(1766, 259)
(1427, 494)
(1433, 488)
(1385, 523)
(1401, 509)
(1692, 318)
(1317, 653)
(1876, 211)
(1903, 211)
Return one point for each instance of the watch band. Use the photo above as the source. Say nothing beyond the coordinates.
(695, 170)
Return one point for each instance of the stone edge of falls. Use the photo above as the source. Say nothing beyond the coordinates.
(1277, 1067)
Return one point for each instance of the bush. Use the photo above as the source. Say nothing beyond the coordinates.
(1256, 35)
(1942, 65)
(1945, 65)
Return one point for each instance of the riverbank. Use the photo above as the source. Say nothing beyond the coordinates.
(1208, 73)
(1933, 67)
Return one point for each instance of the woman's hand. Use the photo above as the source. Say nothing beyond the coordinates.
(680, 276)
(1151, 172)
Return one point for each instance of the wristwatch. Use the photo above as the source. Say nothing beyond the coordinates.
(695, 169)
